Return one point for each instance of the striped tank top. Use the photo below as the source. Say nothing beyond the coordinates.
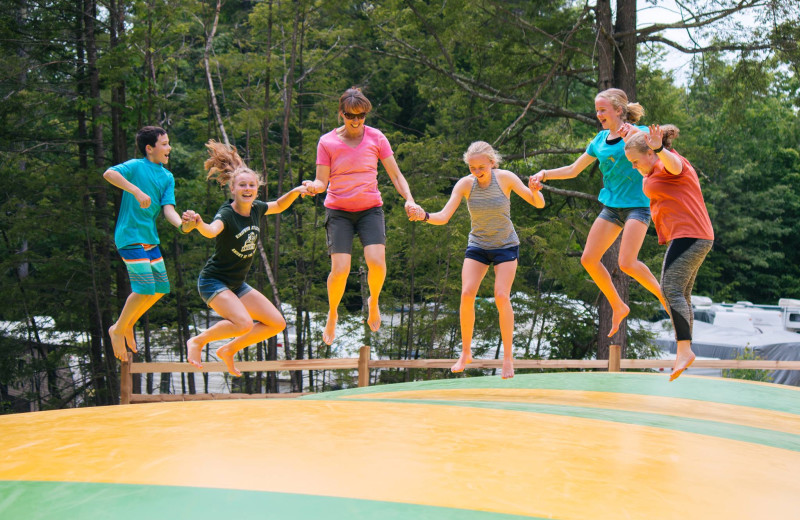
(490, 210)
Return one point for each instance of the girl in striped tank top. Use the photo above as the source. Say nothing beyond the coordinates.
(492, 240)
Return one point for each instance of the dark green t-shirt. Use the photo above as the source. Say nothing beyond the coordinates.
(235, 245)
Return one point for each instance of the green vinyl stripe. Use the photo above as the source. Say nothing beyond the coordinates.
(726, 391)
(736, 432)
(36, 500)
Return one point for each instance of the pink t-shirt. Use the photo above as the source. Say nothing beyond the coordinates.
(354, 171)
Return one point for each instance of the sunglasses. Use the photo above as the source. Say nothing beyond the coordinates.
(348, 115)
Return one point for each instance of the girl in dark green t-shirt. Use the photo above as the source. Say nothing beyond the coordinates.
(222, 281)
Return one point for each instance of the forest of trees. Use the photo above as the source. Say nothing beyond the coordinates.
(78, 78)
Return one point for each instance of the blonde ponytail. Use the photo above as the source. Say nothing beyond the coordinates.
(224, 164)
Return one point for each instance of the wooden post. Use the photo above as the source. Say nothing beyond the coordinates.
(363, 366)
(125, 380)
(613, 358)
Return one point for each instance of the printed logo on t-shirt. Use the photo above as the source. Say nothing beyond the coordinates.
(249, 247)
(250, 244)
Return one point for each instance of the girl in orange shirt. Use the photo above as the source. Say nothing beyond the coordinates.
(681, 220)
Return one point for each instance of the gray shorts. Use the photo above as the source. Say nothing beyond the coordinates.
(341, 226)
(620, 216)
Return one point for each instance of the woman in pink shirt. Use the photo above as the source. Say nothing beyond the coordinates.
(347, 166)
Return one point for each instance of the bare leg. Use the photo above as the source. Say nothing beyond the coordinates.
(601, 236)
(130, 338)
(375, 255)
(504, 278)
(631, 243)
(683, 359)
(135, 306)
(269, 322)
(337, 280)
(236, 322)
(472, 274)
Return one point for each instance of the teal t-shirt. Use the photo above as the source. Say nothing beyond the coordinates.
(137, 225)
(235, 246)
(622, 183)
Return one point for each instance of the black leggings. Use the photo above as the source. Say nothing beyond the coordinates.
(681, 262)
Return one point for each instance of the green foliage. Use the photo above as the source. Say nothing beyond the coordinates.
(440, 75)
(747, 374)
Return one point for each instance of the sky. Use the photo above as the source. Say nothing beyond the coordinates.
(667, 11)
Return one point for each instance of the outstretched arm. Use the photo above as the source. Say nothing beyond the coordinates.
(118, 180)
(565, 172)
(510, 182)
(184, 226)
(459, 191)
(672, 163)
(286, 200)
(400, 184)
(320, 184)
(207, 230)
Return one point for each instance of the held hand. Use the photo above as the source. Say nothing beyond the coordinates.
(535, 181)
(188, 216)
(417, 215)
(303, 190)
(412, 209)
(655, 137)
(142, 198)
(313, 187)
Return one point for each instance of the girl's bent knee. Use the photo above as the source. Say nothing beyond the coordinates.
(281, 325)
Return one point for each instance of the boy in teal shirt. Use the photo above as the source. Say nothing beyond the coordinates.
(147, 188)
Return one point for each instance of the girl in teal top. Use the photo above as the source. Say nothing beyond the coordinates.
(625, 206)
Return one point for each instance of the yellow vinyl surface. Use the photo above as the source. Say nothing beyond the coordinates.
(571, 454)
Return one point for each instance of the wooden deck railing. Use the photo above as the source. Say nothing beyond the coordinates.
(364, 364)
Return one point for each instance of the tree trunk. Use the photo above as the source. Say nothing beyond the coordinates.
(605, 45)
(625, 57)
(616, 68)
(209, 79)
(99, 252)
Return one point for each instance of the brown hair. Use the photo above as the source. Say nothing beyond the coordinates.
(148, 135)
(639, 142)
(482, 148)
(352, 99)
(224, 164)
(631, 112)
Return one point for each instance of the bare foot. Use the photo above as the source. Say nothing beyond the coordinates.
(616, 319)
(193, 351)
(463, 360)
(227, 357)
(681, 364)
(374, 319)
(329, 333)
(508, 369)
(118, 343)
(130, 339)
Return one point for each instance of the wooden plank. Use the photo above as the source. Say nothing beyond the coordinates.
(363, 366)
(353, 364)
(755, 364)
(125, 380)
(249, 366)
(490, 363)
(614, 352)
(165, 398)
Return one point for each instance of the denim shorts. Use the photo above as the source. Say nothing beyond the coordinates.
(210, 287)
(341, 226)
(492, 256)
(620, 216)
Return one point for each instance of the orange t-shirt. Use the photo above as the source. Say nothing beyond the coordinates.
(677, 204)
